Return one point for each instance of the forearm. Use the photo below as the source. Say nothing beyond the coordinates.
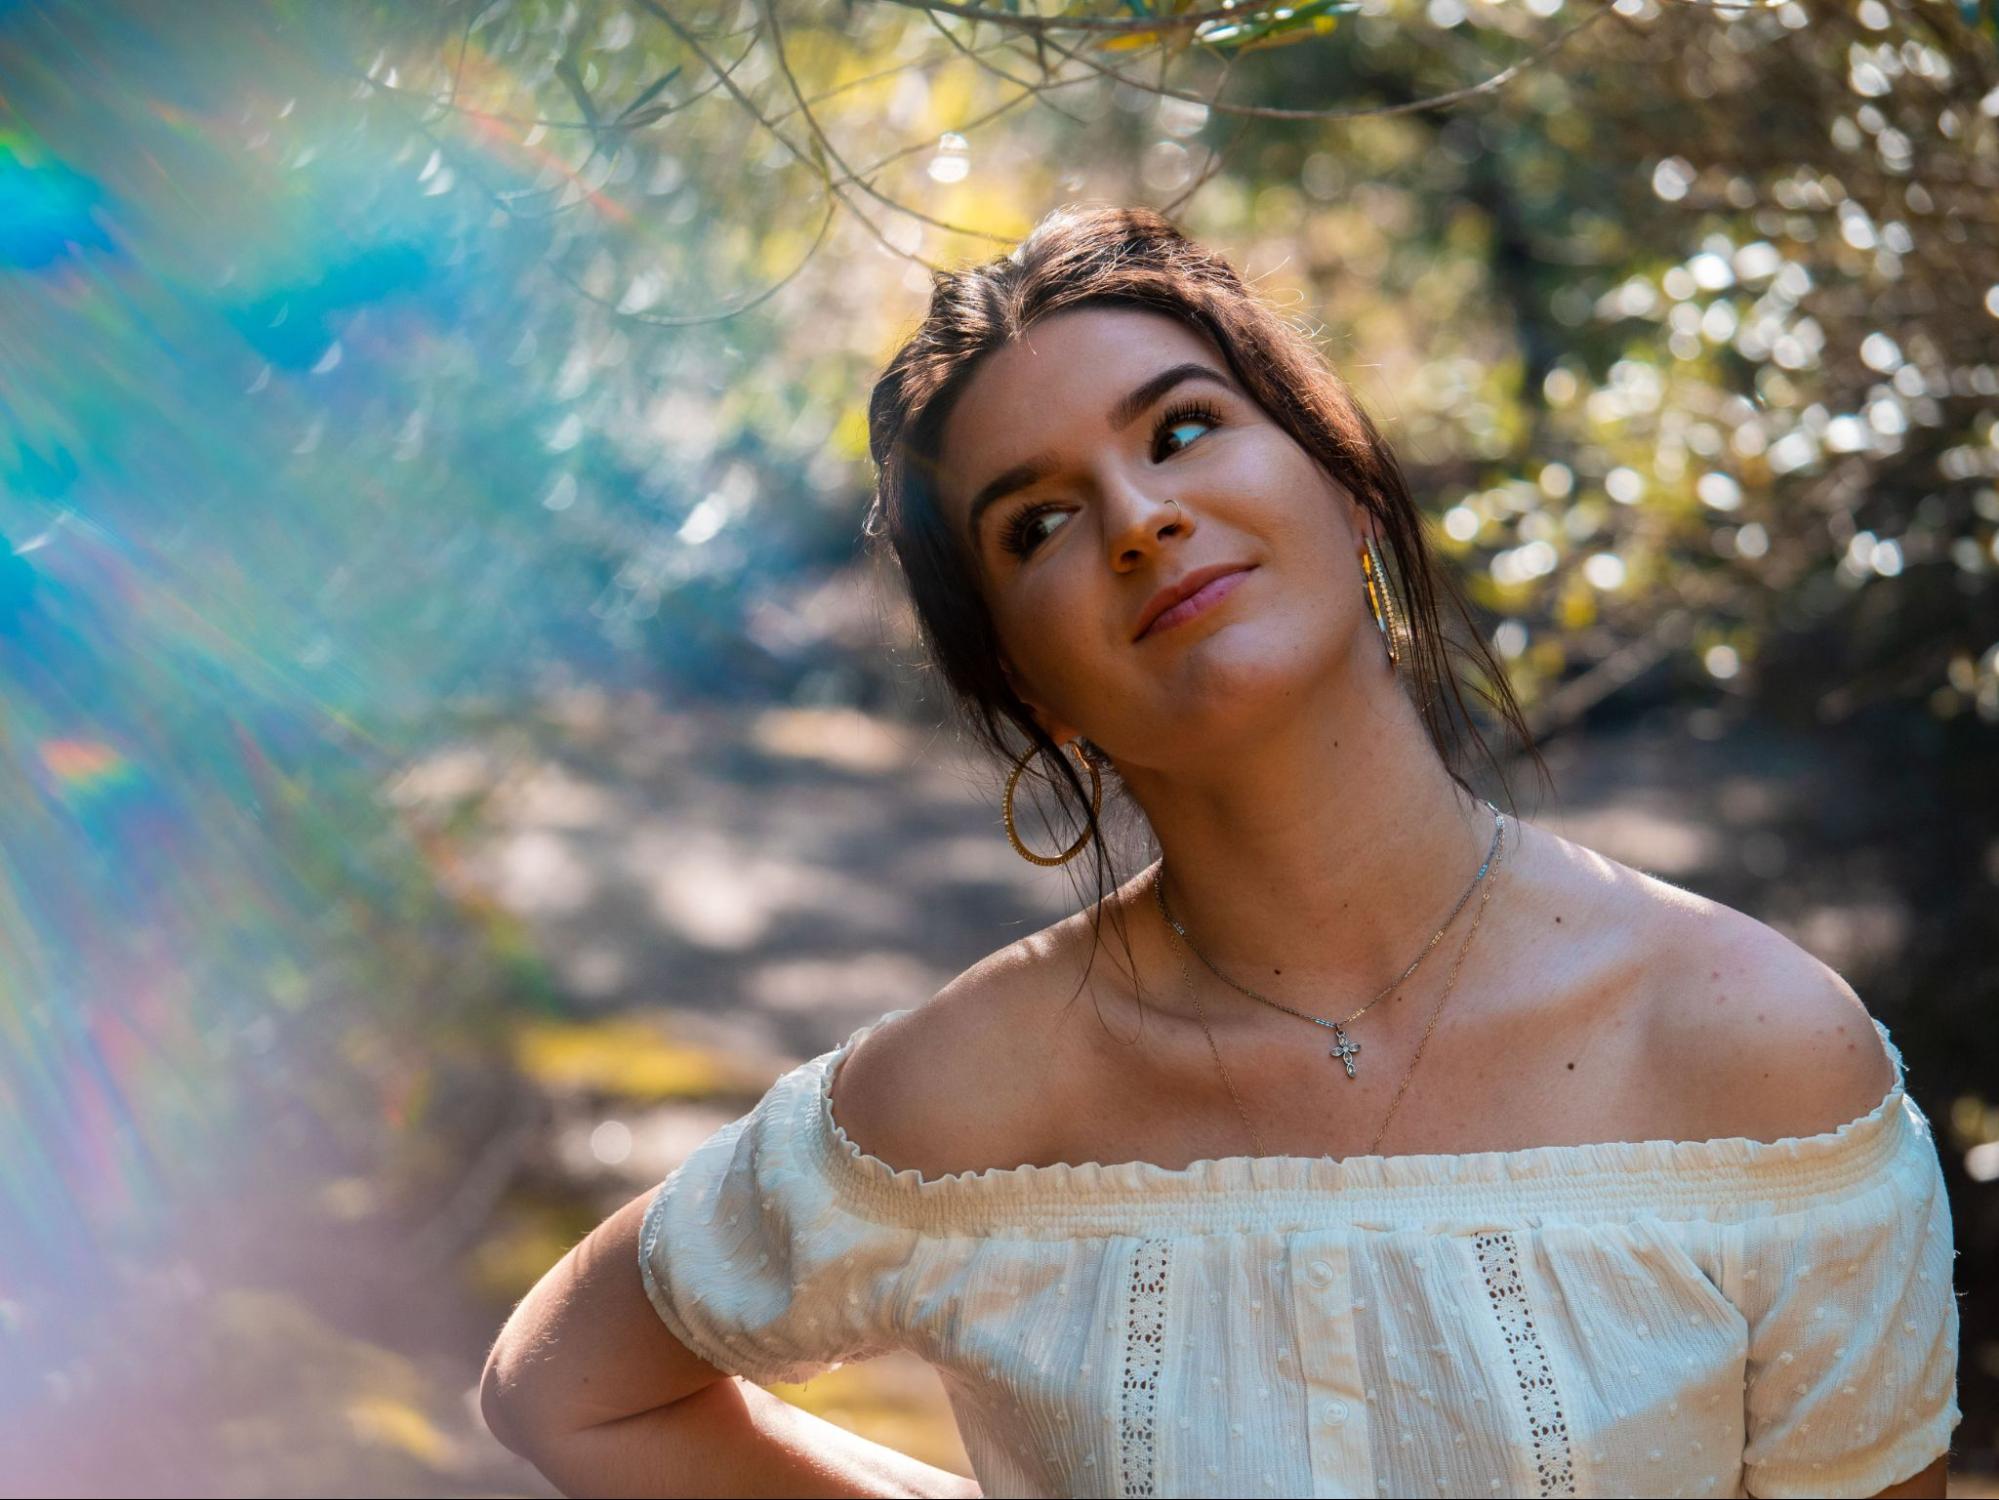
(733, 1438)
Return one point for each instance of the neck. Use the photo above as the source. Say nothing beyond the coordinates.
(1316, 869)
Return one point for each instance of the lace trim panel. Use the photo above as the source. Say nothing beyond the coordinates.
(1554, 1468)
(1144, 1354)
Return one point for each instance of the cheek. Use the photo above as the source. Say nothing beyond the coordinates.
(1311, 529)
(1056, 657)
(1321, 561)
(1054, 632)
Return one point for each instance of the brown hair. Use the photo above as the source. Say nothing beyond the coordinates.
(1134, 257)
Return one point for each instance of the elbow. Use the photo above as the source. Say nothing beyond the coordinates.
(501, 1399)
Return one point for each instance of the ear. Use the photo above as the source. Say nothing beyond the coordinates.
(1058, 731)
(1359, 518)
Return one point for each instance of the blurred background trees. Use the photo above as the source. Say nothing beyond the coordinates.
(457, 750)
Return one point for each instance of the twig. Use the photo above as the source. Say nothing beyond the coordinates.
(1216, 156)
(689, 320)
(1030, 91)
(889, 72)
(1580, 694)
(1099, 25)
(470, 1207)
(999, 72)
(826, 144)
(662, 14)
(450, 106)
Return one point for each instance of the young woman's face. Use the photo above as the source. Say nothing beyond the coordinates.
(1135, 479)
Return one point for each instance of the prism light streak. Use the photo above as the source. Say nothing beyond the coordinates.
(270, 484)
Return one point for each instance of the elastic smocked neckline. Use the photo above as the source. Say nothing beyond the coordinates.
(1721, 1178)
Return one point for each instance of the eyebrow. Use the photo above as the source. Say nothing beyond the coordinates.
(1128, 409)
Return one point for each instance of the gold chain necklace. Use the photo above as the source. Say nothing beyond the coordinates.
(1450, 982)
(1343, 1049)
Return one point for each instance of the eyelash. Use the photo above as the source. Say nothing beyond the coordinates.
(1014, 538)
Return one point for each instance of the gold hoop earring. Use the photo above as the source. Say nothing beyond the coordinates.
(1388, 615)
(1082, 839)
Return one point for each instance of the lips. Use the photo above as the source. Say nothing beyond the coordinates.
(1167, 601)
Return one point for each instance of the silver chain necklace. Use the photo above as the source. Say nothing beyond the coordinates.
(1342, 1048)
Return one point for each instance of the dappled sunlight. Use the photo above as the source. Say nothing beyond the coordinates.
(860, 984)
(841, 737)
(896, 1400)
(703, 889)
(628, 1059)
(539, 872)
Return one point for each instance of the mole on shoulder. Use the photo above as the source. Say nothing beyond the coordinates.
(1558, 919)
(1572, 1067)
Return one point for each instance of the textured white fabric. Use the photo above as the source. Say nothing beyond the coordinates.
(1724, 1317)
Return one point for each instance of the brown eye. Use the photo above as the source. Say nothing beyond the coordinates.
(1019, 537)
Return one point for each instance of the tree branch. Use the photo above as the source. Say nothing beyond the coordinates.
(660, 13)
(826, 143)
(1273, 112)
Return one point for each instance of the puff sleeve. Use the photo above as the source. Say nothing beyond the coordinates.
(752, 1260)
(1853, 1326)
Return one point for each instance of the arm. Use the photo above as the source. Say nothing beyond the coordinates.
(588, 1385)
(1801, 1061)
(1930, 1484)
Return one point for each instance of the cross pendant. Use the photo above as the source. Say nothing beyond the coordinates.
(1344, 1050)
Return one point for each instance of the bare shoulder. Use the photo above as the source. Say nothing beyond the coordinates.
(961, 1082)
(1747, 1033)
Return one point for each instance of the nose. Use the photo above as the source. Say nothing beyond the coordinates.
(1138, 521)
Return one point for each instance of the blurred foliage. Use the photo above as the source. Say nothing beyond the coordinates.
(368, 371)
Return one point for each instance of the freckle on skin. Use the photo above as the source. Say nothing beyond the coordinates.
(1572, 1067)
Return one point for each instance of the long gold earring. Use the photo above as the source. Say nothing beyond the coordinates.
(1082, 839)
(1388, 616)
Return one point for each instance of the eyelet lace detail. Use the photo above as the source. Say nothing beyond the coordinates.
(1554, 1468)
(1144, 1353)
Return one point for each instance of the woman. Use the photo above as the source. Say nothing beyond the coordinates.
(1402, 1148)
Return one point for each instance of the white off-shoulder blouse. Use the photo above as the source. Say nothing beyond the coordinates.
(1721, 1317)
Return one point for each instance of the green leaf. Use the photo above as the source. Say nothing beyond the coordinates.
(1309, 19)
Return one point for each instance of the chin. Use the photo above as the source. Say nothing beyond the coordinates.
(1239, 675)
